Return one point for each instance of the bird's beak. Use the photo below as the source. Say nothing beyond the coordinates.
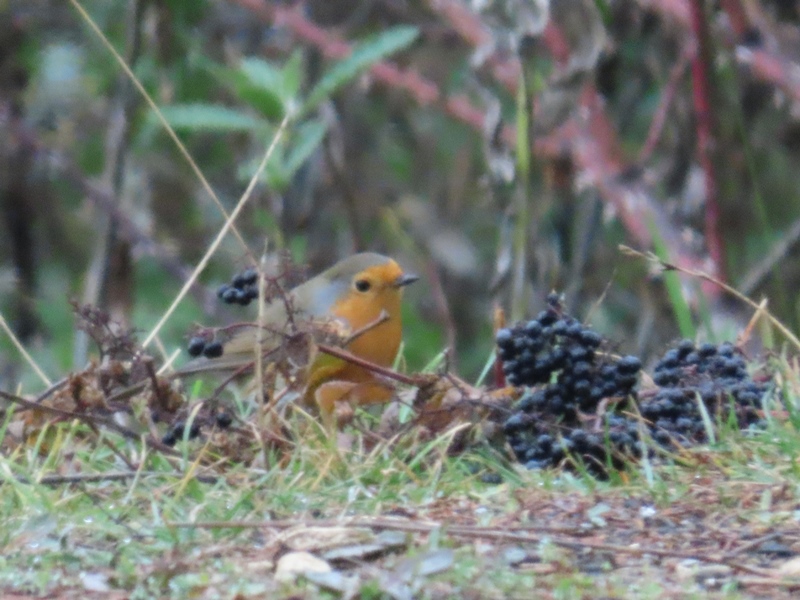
(405, 280)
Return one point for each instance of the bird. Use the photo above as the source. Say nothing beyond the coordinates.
(361, 297)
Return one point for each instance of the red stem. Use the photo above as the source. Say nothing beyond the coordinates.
(660, 114)
(737, 16)
(597, 158)
(701, 95)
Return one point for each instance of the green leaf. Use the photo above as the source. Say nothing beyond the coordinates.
(262, 74)
(287, 158)
(209, 117)
(263, 88)
(293, 74)
(364, 55)
(251, 84)
(307, 139)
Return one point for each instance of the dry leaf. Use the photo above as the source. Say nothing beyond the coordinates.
(791, 568)
(450, 401)
(380, 544)
(425, 564)
(294, 564)
(347, 585)
(712, 575)
(95, 582)
(323, 538)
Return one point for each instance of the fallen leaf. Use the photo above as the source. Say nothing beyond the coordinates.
(514, 555)
(95, 582)
(707, 575)
(425, 564)
(336, 581)
(299, 563)
(323, 538)
(381, 543)
(791, 568)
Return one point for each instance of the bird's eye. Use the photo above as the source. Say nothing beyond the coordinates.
(362, 285)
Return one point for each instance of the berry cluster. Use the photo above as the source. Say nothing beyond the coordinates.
(242, 289)
(201, 345)
(532, 351)
(714, 375)
(540, 441)
(562, 420)
(175, 433)
(222, 419)
(557, 350)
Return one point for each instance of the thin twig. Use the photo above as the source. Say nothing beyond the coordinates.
(52, 389)
(113, 448)
(767, 265)
(542, 534)
(382, 318)
(752, 544)
(151, 373)
(21, 349)
(370, 366)
(91, 420)
(768, 581)
(650, 257)
(47, 393)
(113, 476)
(232, 377)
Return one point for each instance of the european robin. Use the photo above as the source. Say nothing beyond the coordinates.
(361, 295)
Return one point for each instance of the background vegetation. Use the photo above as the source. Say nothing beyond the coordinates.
(637, 139)
(500, 149)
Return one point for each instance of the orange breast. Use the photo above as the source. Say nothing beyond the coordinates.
(379, 342)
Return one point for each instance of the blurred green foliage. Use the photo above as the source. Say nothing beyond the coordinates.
(367, 165)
